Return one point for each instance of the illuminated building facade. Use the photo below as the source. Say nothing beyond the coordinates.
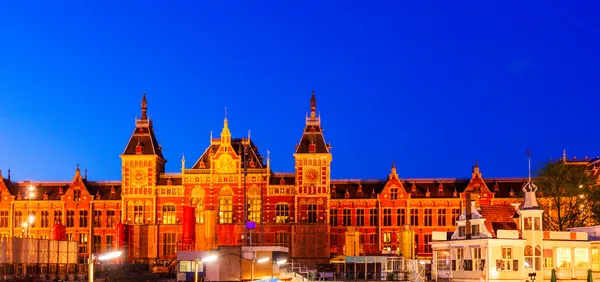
(317, 217)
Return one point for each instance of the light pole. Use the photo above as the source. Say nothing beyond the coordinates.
(278, 262)
(260, 260)
(104, 256)
(206, 259)
(30, 218)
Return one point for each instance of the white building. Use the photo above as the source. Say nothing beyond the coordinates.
(506, 243)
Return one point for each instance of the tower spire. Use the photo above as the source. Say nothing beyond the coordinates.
(225, 134)
(393, 173)
(313, 106)
(144, 107)
(529, 189)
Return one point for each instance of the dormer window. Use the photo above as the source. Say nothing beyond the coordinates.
(475, 230)
(427, 193)
(394, 193)
(461, 231)
(511, 193)
(312, 147)
(202, 164)
(77, 195)
(347, 195)
(282, 181)
(252, 164)
(312, 129)
(441, 188)
(169, 182)
(496, 187)
(360, 189)
(413, 188)
(138, 148)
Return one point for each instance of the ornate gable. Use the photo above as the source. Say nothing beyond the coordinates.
(477, 185)
(394, 189)
(4, 191)
(77, 190)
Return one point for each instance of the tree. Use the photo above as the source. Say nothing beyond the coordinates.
(566, 193)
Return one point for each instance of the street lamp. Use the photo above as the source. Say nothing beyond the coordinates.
(278, 262)
(260, 260)
(104, 256)
(206, 259)
(30, 218)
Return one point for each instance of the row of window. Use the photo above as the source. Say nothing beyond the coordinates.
(44, 219)
(566, 258)
(359, 218)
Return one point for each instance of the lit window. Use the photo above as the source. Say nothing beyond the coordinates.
(169, 214)
(582, 258)
(563, 257)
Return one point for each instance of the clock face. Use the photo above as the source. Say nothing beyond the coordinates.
(312, 175)
(139, 175)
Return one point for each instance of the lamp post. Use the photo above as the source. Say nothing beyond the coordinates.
(260, 260)
(30, 218)
(206, 259)
(278, 262)
(104, 256)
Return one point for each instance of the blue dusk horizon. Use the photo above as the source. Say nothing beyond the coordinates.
(430, 86)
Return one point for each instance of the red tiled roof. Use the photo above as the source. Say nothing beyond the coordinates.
(498, 217)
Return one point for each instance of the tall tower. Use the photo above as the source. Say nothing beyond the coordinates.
(141, 162)
(530, 220)
(313, 168)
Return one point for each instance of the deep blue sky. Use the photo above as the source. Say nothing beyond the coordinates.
(433, 85)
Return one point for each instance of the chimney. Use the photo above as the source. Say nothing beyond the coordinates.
(468, 216)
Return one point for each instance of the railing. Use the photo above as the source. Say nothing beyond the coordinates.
(207, 171)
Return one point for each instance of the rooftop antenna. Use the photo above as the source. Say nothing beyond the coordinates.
(529, 163)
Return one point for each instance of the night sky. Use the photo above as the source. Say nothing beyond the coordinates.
(431, 85)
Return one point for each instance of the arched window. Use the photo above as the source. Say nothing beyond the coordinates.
(129, 211)
(254, 206)
(225, 205)
(538, 257)
(528, 253)
(198, 204)
(168, 214)
(138, 213)
(148, 210)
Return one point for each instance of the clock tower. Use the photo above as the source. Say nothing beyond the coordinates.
(142, 162)
(312, 165)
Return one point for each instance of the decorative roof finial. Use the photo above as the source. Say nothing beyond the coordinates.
(476, 172)
(8, 174)
(225, 134)
(313, 106)
(564, 156)
(77, 167)
(393, 173)
(183, 163)
(144, 107)
(85, 174)
(529, 189)
(529, 164)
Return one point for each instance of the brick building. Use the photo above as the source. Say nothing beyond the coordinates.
(315, 216)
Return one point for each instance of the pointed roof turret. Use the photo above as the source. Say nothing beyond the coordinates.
(529, 189)
(144, 107)
(476, 172)
(313, 140)
(313, 106)
(225, 134)
(143, 141)
(77, 176)
(393, 173)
